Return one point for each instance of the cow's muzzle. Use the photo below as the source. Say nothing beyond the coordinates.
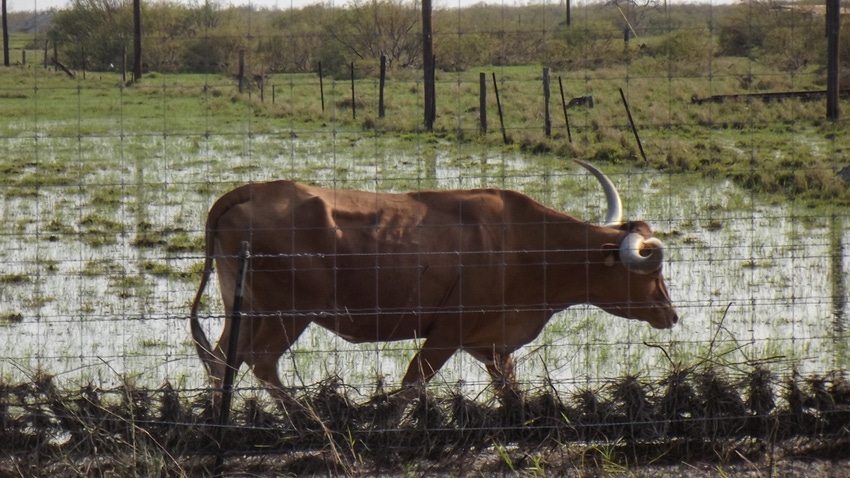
(665, 320)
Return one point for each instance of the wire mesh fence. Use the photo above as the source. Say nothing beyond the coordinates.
(107, 182)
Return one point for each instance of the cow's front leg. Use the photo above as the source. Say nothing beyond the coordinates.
(501, 370)
(500, 366)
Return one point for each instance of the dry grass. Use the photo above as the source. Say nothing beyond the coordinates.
(689, 419)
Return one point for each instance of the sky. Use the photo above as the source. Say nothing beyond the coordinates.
(41, 5)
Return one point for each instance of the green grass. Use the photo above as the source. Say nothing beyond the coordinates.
(782, 148)
(9, 318)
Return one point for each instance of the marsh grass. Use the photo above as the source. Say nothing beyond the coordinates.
(9, 318)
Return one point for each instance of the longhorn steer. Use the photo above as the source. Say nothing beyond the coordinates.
(480, 270)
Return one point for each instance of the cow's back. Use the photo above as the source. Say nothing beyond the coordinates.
(358, 261)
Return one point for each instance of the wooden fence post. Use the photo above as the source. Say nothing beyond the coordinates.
(241, 71)
(632, 122)
(321, 87)
(482, 102)
(833, 26)
(499, 106)
(564, 105)
(381, 84)
(353, 103)
(547, 118)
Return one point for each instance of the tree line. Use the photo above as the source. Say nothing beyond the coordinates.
(208, 38)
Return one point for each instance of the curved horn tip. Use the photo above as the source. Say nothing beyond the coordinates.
(614, 217)
(634, 260)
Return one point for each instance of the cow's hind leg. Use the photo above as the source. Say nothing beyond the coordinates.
(501, 370)
(425, 364)
(430, 358)
(269, 339)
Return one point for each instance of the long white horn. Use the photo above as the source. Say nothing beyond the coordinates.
(640, 255)
(615, 206)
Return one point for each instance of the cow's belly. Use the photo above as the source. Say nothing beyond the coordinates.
(359, 328)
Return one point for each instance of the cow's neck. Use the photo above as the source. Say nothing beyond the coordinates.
(576, 255)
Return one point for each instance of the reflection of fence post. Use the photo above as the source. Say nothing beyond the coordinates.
(230, 367)
(482, 101)
(838, 278)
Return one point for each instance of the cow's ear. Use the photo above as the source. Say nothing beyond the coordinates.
(611, 252)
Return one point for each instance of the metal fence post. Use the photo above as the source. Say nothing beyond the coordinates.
(230, 368)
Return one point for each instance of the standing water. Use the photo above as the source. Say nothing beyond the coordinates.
(100, 271)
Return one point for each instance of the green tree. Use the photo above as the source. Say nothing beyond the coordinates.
(687, 51)
(92, 34)
(794, 48)
(593, 44)
(167, 30)
(220, 34)
(297, 39)
(368, 29)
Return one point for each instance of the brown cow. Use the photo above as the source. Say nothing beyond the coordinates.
(480, 270)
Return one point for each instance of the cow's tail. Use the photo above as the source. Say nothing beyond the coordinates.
(235, 197)
(202, 345)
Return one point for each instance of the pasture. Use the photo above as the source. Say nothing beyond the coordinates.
(105, 188)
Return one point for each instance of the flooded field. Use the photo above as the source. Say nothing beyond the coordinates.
(102, 255)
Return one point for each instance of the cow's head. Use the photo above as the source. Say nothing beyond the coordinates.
(629, 282)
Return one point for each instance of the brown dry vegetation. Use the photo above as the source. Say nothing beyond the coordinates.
(691, 423)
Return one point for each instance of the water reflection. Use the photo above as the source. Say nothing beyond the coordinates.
(838, 277)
